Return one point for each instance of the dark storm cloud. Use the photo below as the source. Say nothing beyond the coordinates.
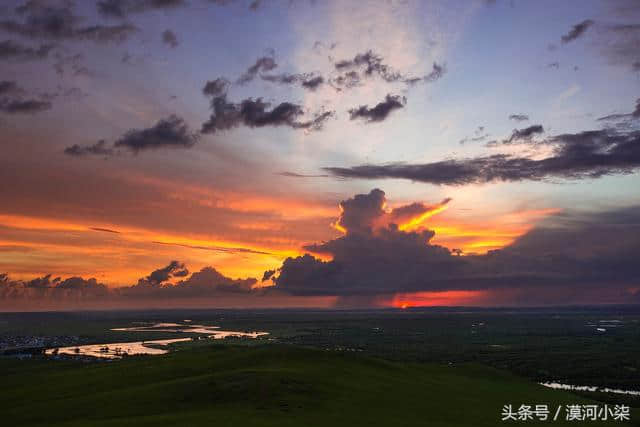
(519, 117)
(166, 133)
(40, 20)
(262, 64)
(121, 8)
(577, 31)
(100, 148)
(170, 39)
(572, 251)
(588, 154)
(372, 257)
(11, 50)
(256, 113)
(380, 111)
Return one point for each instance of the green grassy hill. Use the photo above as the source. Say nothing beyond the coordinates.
(271, 385)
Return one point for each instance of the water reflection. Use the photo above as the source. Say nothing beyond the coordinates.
(213, 332)
(153, 347)
(116, 350)
(559, 386)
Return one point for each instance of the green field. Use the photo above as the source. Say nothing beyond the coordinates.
(265, 385)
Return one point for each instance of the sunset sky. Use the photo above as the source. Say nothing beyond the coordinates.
(420, 152)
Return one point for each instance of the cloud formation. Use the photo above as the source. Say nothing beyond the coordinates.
(307, 80)
(576, 31)
(100, 148)
(257, 113)
(171, 281)
(635, 114)
(13, 100)
(122, 8)
(574, 251)
(370, 63)
(519, 117)
(262, 64)
(588, 154)
(41, 20)
(171, 132)
(380, 111)
(170, 39)
(11, 50)
(524, 135)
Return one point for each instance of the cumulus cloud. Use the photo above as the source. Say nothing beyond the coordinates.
(171, 132)
(162, 283)
(588, 154)
(380, 111)
(11, 50)
(41, 20)
(375, 256)
(171, 281)
(216, 87)
(257, 113)
(577, 31)
(47, 288)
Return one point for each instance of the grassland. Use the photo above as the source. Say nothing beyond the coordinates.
(263, 385)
